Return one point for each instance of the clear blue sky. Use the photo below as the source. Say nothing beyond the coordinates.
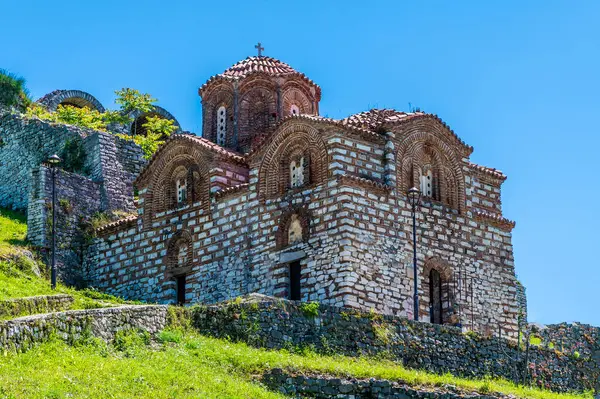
(518, 80)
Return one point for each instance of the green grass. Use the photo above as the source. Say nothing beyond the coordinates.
(16, 277)
(191, 366)
(13, 229)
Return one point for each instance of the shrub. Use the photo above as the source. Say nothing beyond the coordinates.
(13, 92)
(310, 309)
(130, 342)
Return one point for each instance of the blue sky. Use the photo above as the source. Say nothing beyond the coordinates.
(517, 80)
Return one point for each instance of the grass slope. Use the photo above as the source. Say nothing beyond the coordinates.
(186, 365)
(16, 269)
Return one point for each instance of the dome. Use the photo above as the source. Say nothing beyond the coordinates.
(269, 66)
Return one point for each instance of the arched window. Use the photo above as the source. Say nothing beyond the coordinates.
(221, 125)
(294, 110)
(297, 173)
(293, 228)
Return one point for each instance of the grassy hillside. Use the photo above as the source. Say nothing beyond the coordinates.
(186, 365)
(23, 275)
(13, 228)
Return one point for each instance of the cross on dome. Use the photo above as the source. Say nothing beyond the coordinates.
(259, 48)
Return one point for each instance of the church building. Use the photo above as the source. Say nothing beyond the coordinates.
(275, 199)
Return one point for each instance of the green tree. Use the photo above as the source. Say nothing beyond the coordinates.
(159, 125)
(131, 100)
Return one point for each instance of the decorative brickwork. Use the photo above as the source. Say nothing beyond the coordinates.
(256, 93)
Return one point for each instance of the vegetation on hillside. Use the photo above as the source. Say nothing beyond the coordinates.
(187, 365)
(13, 92)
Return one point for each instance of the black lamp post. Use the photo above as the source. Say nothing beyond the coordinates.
(53, 161)
(414, 197)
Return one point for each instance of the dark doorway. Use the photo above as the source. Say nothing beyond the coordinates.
(180, 289)
(435, 297)
(295, 275)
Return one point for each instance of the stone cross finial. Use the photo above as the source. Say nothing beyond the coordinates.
(259, 48)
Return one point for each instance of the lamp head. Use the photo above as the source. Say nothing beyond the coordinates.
(414, 196)
(54, 160)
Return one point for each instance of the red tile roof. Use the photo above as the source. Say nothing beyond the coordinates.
(490, 171)
(186, 136)
(374, 119)
(266, 65)
(495, 219)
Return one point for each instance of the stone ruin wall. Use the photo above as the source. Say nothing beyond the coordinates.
(275, 324)
(105, 183)
(349, 257)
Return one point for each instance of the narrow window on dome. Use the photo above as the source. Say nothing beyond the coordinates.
(294, 110)
(221, 125)
(297, 173)
(181, 191)
(426, 182)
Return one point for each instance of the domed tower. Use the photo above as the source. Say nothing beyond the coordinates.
(242, 103)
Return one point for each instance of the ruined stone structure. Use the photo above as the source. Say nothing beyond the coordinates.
(278, 200)
(96, 175)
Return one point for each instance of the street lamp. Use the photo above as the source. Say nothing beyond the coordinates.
(53, 161)
(414, 196)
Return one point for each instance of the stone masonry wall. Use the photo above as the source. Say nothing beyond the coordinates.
(78, 199)
(273, 323)
(35, 304)
(322, 387)
(25, 144)
(22, 333)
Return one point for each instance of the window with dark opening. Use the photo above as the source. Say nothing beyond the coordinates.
(180, 289)
(295, 275)
(435, 297)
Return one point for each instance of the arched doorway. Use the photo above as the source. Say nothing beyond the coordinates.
(435, 297)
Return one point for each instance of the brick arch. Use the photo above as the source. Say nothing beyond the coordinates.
(179, 239)
(294, 95)
(291, 140)
(139, 118)
(216, 99)
(76, 98)
(257, 113)
(418, 149)
(284, 225)
(159, 187)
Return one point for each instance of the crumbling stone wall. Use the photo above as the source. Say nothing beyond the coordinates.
(22, 333)
(78, 199)
(275, 323)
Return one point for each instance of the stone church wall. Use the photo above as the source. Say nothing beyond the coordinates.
(357, 252)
